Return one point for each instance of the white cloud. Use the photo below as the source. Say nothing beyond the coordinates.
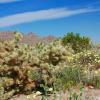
(41, 15)
(7, 1)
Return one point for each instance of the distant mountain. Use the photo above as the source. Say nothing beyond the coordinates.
(30, 38)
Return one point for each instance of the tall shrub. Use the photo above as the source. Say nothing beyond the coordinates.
(77, 42)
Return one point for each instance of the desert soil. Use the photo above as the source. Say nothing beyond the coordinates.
(89, 94)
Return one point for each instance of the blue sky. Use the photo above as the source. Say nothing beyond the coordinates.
(51, 17)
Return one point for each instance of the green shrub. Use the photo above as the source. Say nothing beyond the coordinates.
(69, 76)
(77, 42)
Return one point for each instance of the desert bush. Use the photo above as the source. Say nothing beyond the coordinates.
(89, 59)
(77, 42)
(89, 62)
(67, 77)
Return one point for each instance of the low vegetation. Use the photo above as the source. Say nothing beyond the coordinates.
(48, 68)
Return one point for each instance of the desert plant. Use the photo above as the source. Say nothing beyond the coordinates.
(77, 42)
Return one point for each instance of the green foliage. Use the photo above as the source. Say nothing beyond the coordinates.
(97, 82)
(67, 77)
(77, 42)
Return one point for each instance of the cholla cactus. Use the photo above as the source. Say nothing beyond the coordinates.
(55, 53)
(18, 36)
(5, 84)
(24, 67)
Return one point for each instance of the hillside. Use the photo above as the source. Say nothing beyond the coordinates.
(30, 38)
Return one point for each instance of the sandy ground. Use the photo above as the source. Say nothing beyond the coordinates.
(89, 94)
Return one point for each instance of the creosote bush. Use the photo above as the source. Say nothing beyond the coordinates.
(78, 43)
